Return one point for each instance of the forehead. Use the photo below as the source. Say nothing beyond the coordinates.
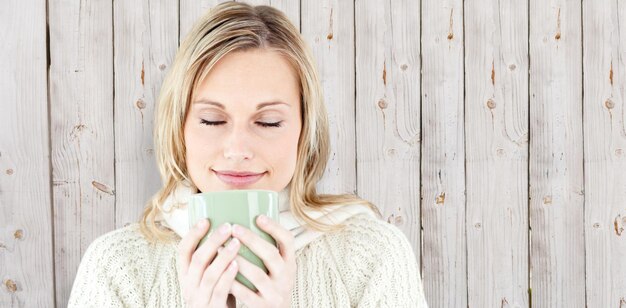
(250, 77)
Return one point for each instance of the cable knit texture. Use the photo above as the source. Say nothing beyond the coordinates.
(369, 263)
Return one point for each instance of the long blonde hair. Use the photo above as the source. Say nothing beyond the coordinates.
(228, 27)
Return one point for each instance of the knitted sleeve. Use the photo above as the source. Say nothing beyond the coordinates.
(390, 277)
(104, 276)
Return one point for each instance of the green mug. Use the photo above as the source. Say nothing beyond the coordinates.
(240, 207)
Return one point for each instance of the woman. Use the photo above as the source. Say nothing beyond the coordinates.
(241, 108)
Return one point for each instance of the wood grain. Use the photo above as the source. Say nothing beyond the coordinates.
(464, 121)
(496, 132)
(604, 123)
(26, 260)
(328, 28)
(556, 154)
(443, 154)
(388, 111)
(146, 39)
(82, 139)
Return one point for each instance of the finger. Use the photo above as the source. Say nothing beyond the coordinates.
(188, 244)
(205, 254)
(211, 274)
(245, 295)
(257, 276)
(222, 287)
(260, 247)
(283, 237)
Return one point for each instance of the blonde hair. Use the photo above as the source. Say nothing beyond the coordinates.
(228, 27)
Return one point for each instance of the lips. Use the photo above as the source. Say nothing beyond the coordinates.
(238, 178)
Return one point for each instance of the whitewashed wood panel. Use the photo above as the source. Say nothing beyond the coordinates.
(443, 154)
(388, 111)
(328, 28)
(556, 154)
(146, 39)
(604, 124)
(496, 132)
(98, 168)
(81, 114)
(26, 260)
(191, 10)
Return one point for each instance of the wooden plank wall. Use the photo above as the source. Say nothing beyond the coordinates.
(496, 151)
(388, 111)
(80, 102)
(492, 133)
(26, 233)
(604, 140)
(557, 189)
(145, 42)
(443, 154)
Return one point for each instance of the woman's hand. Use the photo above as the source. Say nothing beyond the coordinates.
(273, 290)
(205, 279)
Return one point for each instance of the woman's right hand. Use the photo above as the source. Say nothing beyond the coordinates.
(205, 278)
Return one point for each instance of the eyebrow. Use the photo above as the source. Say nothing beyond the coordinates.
(221, 106)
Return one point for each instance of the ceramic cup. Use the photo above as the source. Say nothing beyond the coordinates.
(240, 207)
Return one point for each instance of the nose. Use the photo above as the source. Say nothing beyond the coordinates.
(238, 146)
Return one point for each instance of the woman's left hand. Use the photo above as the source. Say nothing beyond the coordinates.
(274, 289)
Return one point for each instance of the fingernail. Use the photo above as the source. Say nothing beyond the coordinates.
(224, 229)
(233, 265)
(233, 244)
(262, 219)
(203, 223)
(236, 230)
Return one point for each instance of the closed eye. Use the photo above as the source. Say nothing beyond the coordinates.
(262, 124)
(266, 124)
(205, 122)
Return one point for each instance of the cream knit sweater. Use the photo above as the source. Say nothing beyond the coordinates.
(369, 263)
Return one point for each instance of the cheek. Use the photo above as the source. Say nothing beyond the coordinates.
(192, 140)
(285, 160)
(197, 147)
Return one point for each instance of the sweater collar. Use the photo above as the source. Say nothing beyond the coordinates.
(175, 215)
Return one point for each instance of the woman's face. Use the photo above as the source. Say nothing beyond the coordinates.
(243, 124)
